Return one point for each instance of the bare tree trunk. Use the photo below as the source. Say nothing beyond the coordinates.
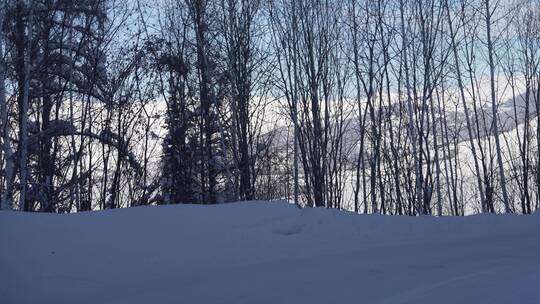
(411, 121)
(295, 102)
(23, 115)
(495, 118)
(465, 107)
(537, 102)
(6, 202)
(198, 12)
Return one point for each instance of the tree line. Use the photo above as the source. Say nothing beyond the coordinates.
(410, 107)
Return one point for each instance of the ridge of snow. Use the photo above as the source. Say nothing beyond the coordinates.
(256, 252)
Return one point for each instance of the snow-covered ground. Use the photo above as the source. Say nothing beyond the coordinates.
(266, 253)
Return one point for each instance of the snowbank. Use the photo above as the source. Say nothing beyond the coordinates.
(266, 253)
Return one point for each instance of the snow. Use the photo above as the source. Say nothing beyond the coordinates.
(257, 252)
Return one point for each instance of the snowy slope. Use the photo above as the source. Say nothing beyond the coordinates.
(266, 253)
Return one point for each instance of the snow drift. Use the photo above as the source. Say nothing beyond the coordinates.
(266, 253)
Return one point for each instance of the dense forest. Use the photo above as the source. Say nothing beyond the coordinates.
(409, 107)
